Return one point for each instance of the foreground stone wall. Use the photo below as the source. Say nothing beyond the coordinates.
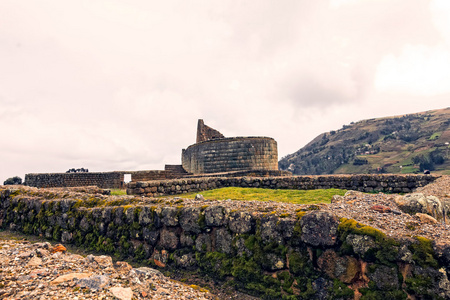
(364, 183)
(313, 255)
(231, 154)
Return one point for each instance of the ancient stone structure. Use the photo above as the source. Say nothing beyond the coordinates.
(206, 133)
(364, 183)
(213, 153)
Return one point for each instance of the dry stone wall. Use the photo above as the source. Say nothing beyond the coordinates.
(231, 154)
(313, 255)
(364, 183)
(102, 180)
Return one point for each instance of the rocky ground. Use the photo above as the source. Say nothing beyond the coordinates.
(44, 271)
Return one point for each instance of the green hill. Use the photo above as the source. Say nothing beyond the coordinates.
(401, 144)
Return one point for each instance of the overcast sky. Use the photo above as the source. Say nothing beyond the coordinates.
(119, 85)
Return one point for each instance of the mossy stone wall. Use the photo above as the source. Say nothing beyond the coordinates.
(312, 256)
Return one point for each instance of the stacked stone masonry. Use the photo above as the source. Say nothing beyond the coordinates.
(364, 183)
(206, 133)
(313, 255)
(100, 179)
(231, 154)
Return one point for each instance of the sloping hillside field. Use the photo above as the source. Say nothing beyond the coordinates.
(401, 144)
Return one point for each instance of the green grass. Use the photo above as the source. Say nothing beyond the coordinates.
(118, 192)
(290, 196)
(435, 136)
(409, 169)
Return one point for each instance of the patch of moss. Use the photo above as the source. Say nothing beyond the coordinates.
(286, 281)
(301, 265)
(421, 286)
(300, 214)
(386, 250)
(340, 291)
(347, 226)
(369, 294)
(201, 220)
(423, 253)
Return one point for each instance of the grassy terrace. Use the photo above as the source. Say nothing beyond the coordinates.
(290, 196)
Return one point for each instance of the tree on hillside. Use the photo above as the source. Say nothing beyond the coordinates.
(13, 180)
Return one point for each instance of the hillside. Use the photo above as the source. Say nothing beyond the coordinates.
(400, 144)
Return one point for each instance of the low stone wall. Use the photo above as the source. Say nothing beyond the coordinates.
(150, 175)
(364, 183)
(106, 180)
(313, 255)
(49, 180)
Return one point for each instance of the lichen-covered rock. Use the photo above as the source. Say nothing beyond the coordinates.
(145, 216)
(185, 260)
(345, 268)
(241, 249)
(241, 222)
(66, 237)
(65, 205)
(443, 252)
(84, 225)
(214, 216)
(169, 216)
(222, 240)
(361, 243)
(129, 215)
(285, 227)
(269, 229)
(106, 214)
(321, 286)
(203, 243)
(150, 235)
(319, 228)
(384, 277)
(274, 262)
(168, 239)
(419, 203)
(118, 215)
(429, 283)
(405, 255)
(186, 240)
(189, 219)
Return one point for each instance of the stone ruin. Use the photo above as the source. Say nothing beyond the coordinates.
(215, 153)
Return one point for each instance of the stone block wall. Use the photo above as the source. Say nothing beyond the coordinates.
(313, 255)
(231, 154)
(105, 180)
(150, 175)
(49, 180)
(363, 183)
